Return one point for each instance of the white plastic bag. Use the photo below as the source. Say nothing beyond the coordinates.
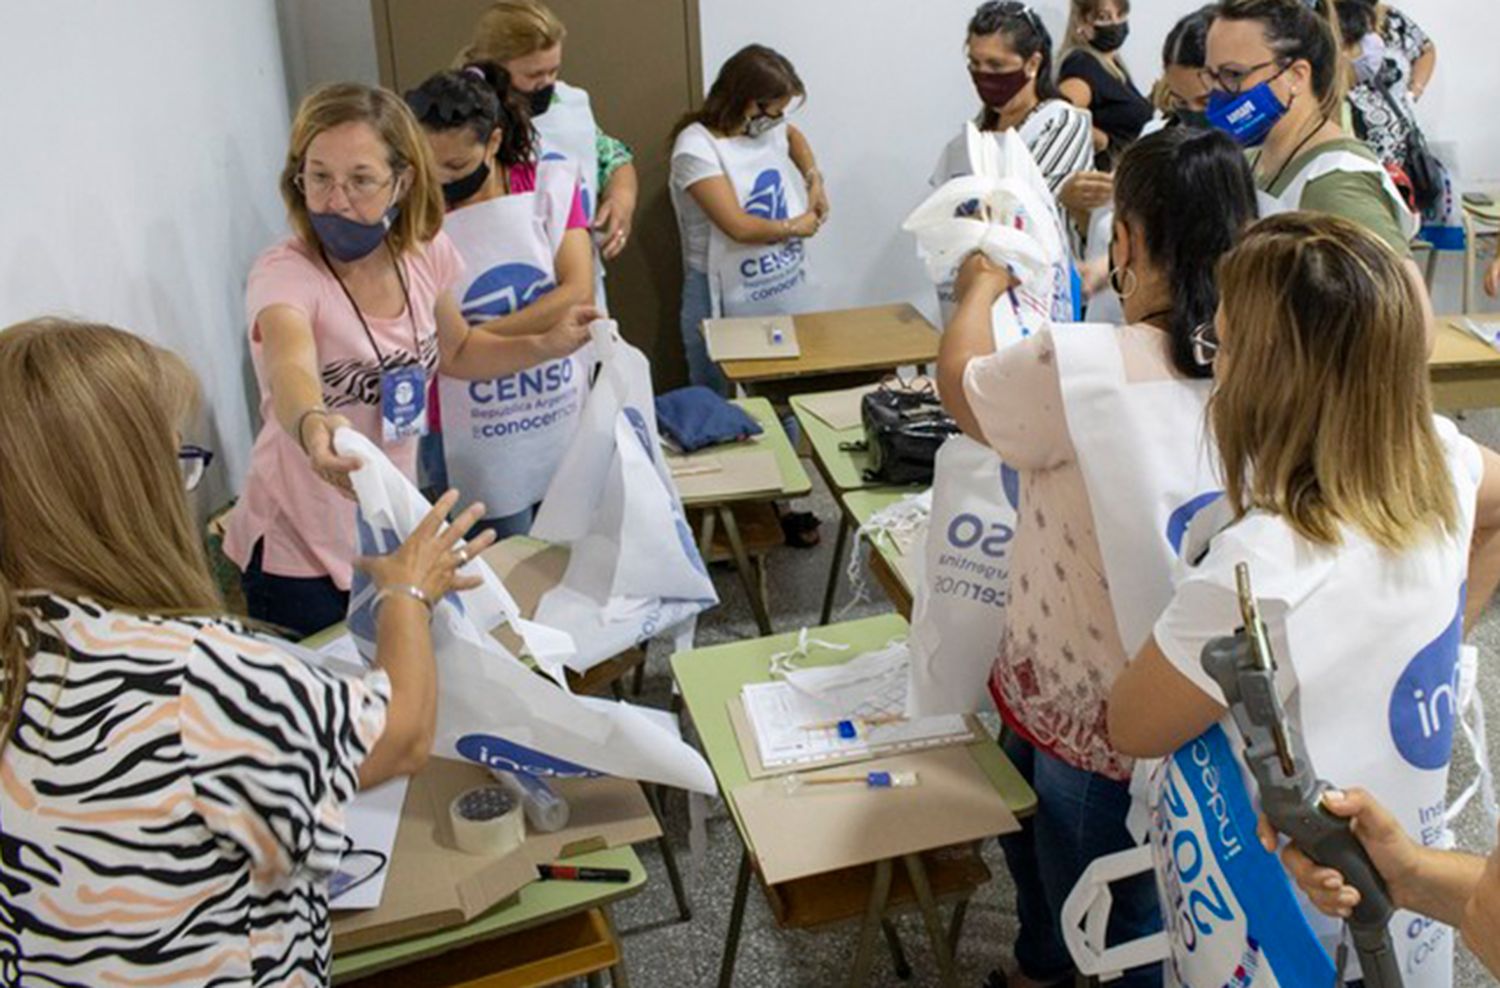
(488, 700)
(1004, 209)
(634, 571)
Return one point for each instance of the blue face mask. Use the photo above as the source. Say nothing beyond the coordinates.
(1247, 117)
(349, 240)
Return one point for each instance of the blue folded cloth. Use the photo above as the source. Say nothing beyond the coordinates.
(696, 417)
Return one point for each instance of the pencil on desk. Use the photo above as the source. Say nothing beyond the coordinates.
(875, 721)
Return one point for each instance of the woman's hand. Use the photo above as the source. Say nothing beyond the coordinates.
(817, 197)
(317, 441)
(805, 225)
(428, 559)
(1083, 192)
(570, 332)
(1492, 279)
(612, 226)
(979, 273)
(1395, 855)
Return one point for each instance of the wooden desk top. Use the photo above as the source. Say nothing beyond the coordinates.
(1456, 348)
(875, 338)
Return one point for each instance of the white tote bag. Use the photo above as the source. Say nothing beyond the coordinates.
(958, 614)
(488, 700)
(634, 570)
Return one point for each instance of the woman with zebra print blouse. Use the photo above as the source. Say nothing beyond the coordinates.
(172, 789)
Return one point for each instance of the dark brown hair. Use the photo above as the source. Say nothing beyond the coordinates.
(754, 74)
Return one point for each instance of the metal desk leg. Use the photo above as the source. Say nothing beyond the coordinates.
(956, 924)
(880, 891)
(668, 857)
(736, 922)
(918, 872)
(837, 567)
(747, 574)
(706, 535)
(898, 955)
(617, 975)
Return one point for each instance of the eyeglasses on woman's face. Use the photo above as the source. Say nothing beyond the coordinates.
(318, 185)
(193, 461)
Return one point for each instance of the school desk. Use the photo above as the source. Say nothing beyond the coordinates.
(709, 678)
(1465, 372)
(849, 342)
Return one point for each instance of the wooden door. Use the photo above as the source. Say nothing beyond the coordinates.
(639, 61)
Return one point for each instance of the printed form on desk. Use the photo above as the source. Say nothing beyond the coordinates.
(796, 722)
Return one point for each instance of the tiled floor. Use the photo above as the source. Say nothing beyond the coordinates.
(662, 953)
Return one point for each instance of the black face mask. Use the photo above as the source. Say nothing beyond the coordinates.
(540, 101)
(1109, 37)
(463, 189)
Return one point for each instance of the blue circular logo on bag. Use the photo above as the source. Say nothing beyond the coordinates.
(767, 196)
(504, 289)
(690, 547)
(1179, 521)
(507, 756)
(1424, 704)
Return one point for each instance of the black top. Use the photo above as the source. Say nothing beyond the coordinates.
(1118, 107)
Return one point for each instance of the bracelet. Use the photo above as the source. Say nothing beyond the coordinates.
(302, 421)
(400, 589)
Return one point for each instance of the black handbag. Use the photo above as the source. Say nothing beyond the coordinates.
(904, 427)
(1427, 174)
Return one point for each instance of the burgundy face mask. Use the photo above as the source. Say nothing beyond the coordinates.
(999, 88)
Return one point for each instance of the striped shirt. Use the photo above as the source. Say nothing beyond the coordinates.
(1059, 134)
(172, 802)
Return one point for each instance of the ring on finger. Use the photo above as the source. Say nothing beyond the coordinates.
(463, 555)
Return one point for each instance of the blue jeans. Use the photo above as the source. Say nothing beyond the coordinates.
(302, 605)
(697, 305)
(1080, 817)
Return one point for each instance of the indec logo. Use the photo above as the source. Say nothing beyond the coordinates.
(767, 196)
(1424, 704)
(504, 289)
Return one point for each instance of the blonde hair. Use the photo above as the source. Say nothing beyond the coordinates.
(1081, 12)
(347, 102)
(91, 496)
(1322, 411)
(512, 29)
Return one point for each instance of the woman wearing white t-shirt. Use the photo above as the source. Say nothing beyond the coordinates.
(747, 191)
(1354, 508)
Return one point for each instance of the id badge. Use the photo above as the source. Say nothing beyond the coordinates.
(403, 403)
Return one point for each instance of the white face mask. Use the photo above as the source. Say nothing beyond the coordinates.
(762, 124)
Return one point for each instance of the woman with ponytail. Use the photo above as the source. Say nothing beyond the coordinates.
(1104, 426)
(518, 221)
(172, 787)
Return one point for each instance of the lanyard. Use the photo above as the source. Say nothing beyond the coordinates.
(405, 295)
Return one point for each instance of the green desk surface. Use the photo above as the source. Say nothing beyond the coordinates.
(536, 904)
(844, 470)
(711, 677)
(862, 505)
(794, 479)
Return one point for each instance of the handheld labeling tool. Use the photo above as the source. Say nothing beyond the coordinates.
(1291, 794)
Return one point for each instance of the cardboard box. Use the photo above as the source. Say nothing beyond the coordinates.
(433, 885)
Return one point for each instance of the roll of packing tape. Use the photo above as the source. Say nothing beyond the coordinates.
(487, 820)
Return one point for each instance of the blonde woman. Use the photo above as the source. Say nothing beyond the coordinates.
(1092, 77)
(171, 788)
(1355, 509)
(526, 39)
(349, 318)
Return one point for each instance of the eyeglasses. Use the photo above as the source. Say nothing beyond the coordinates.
(358, 189)
(194, 461)
(1205, 341)
(1232, 80)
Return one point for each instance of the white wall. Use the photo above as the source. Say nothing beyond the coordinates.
(888, 87)
(327, 41)
(144, 141)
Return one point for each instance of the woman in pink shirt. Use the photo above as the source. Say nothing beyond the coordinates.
(349, 317)
(1104, 424)
(520, 225)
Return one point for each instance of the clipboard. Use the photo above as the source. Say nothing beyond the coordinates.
(754, 338)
